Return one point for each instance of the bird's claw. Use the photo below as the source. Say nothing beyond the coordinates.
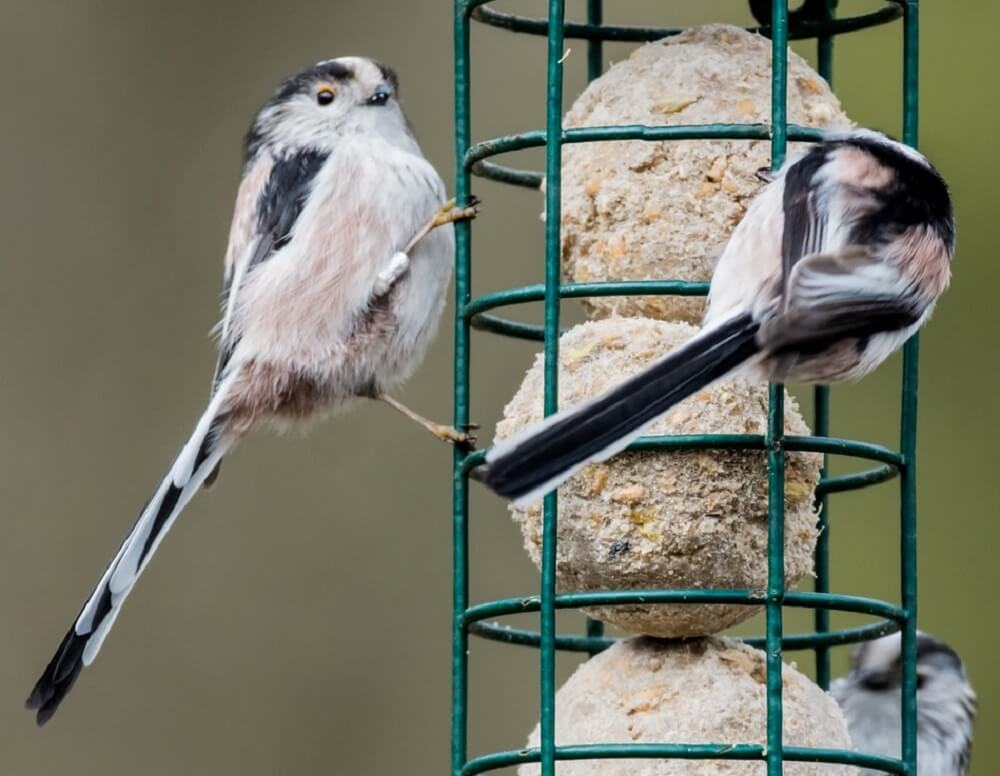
(460, 439)
(450, 212)
(765, 174)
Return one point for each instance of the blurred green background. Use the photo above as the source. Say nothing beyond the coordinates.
(298, 619)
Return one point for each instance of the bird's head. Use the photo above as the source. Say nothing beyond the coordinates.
(944, 694)
(335, 98)
(877, 666)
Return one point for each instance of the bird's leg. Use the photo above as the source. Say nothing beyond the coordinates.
(398, 265)
(400, 262)
(448, 213)
(460, 439)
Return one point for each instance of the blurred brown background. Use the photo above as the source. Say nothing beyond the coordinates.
(298, 619)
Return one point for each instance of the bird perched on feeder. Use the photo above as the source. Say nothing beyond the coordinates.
(837, 262)
(335, 277)
(946, 704)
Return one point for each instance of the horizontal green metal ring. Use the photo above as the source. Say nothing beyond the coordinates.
(532, 179)
(856, 481)
(793, 443)
(471, 461)
(848, 447)
(479, 11)
(525, 637)
(530, 331)
(498, 760)
(536, 292)
(501, 173)
(798, 600)
(505, 327)
(536, 138)
(475, 160)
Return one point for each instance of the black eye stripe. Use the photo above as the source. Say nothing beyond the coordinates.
(878, 682)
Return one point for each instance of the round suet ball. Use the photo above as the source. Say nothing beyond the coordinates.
(637, 210)
(703, 691)
(666, 519)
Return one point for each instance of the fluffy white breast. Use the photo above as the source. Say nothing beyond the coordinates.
(752, 257)
(366, 202)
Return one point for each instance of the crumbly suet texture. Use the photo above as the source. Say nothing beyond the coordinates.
(711, 690)
(659, 519)
(637, 210)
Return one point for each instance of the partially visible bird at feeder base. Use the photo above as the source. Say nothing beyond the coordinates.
(838, 261)
(946, 704)
(335, 276)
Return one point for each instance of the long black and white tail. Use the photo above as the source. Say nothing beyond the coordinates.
(81, 644)
(538, 459)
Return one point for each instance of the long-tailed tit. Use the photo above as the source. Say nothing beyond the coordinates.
(334, 281)
(837, 262)
(946, 704)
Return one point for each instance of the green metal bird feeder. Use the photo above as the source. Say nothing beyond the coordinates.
(815, 19)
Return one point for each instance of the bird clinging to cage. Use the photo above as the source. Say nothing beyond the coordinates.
(334, 280)
(838, 261)
(946, 704)
(639, 210)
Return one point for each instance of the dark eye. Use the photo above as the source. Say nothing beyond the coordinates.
(379, 98)
(324, 96)
(921, 678)
(876, 683)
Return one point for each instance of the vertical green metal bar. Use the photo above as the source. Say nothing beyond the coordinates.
(595, 48)
(460, 484)
(821, 424)
(824, 46)
(775, 574)
(908, 441)
(776, 428)
(821, 617)
(908, 546)
(595, 65)
(779, 81)
(595, 630)
(553, 220)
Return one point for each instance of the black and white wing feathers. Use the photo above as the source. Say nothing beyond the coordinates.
(806, 217)
(277, 192)
(836, 283)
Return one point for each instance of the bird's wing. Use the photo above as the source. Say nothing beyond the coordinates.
(805, 218)
(831, 291)
(270, 198)
(842, 294)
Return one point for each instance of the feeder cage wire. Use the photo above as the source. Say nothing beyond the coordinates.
(815, 19)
